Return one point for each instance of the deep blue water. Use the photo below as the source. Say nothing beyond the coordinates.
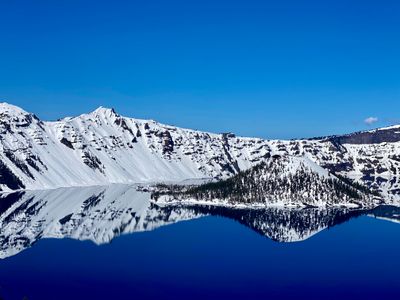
(212, 258)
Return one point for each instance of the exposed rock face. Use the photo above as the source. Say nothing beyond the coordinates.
(167, 142)
(8, 178)
(384, 135)
(67, 143)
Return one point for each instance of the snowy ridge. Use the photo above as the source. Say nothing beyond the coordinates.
(103, 147)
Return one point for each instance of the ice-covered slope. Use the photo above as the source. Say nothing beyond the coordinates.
(103, 147)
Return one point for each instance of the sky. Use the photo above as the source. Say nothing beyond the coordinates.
(272, 69)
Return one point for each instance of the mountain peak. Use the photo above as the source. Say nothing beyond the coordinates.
(10, 109)
(105, 112)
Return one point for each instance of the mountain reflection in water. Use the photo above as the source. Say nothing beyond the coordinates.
(101, 214)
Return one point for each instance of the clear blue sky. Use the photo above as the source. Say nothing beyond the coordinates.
(276, 69)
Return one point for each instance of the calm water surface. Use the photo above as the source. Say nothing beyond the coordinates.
(220, 255)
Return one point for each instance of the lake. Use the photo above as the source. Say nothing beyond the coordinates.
(113, 243)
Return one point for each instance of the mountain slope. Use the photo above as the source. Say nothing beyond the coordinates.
(371, 158)
(280, 180)
(102, 147)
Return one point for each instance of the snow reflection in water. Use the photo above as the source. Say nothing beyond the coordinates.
(102, 213)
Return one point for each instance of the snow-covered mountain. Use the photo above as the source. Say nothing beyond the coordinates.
(103, 147)
(102, 213)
